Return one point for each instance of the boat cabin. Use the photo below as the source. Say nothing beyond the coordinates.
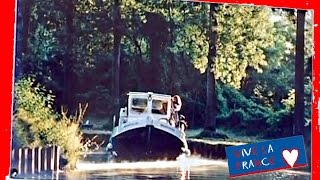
(148, 118)
(142, 105)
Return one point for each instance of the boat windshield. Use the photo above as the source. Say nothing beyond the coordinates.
(159, 106)
(139, 105)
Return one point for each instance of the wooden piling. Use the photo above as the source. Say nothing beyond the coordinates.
(52, 157)
(58, 158)
(19, 160)
(39, 159)
(25, 161)
(45, 159)
(32, 160)
(12, 155)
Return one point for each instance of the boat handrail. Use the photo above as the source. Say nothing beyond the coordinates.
(114, 121)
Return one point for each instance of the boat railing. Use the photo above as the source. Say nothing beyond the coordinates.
(114, 121)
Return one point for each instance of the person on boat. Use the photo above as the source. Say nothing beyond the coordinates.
(177, 119)
(159, 107)
(176, 103)
(163, 109)
(176, 107)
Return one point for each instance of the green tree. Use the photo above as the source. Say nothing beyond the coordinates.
(211, 105)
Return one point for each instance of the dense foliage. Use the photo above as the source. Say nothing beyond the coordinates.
(68, 45)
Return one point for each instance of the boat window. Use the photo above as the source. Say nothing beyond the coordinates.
(139, 105)
(159, 106)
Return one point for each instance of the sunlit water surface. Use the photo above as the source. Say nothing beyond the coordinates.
(186, 168)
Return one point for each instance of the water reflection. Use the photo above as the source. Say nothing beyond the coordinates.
(185, 168)
(196, 173)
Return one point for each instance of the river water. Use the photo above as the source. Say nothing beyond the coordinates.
(188, 168)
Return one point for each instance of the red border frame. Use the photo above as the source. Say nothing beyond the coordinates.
(7, 10)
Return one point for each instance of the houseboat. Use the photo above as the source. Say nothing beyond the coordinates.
(150, 127)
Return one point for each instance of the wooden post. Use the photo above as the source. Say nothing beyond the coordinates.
(39, 159)
(45, 159)
(32, 161)
(19, 160)
(299, 75)
(58, 158)
(57, 163)
(52, 157)
(12, 156)
(25, 160)
(52, 161)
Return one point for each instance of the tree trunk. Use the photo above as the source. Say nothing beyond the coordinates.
(19, 38)
(172, 64)
(68, 57)
(210, 124)
(173, 74)
(26, 7)
(139, 66)
(155, 82)
(116, 56)
(299, 75)
(156, 29)
(22, 36)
